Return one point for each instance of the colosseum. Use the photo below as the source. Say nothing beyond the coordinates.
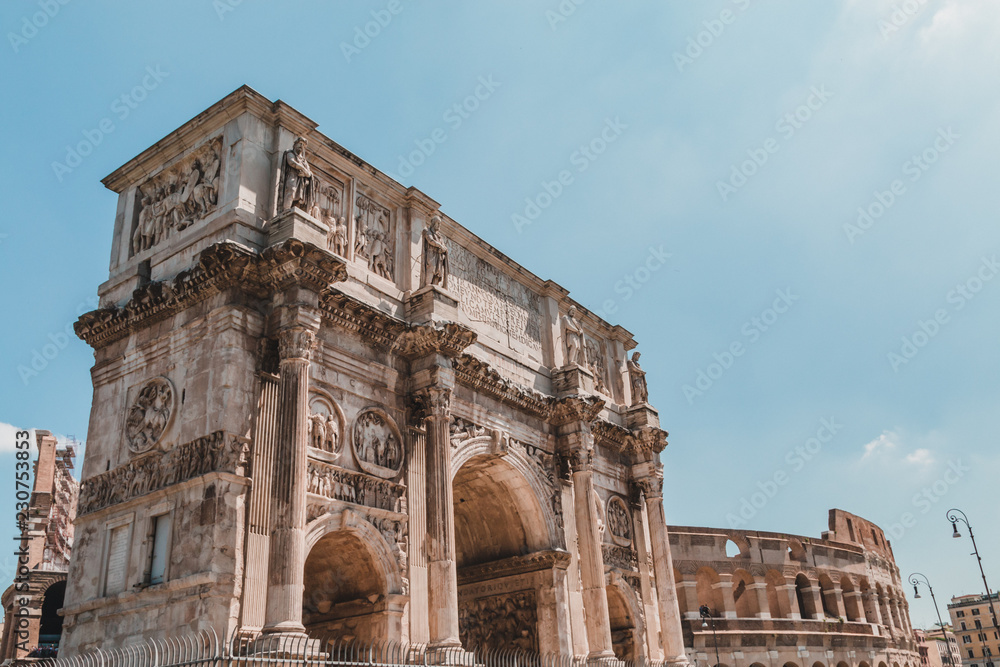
(775, 600)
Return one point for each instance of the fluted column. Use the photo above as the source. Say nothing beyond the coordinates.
(595, 596)
(288, 487)
(442, 577)
(663, 568)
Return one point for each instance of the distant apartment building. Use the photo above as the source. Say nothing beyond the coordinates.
(973, 623)
(31, 604)
(937, 650)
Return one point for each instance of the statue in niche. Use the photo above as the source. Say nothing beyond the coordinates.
(435, 255)
(637, 377)
(296, 178)
(338, 236)
(380, 260)
(573, 337)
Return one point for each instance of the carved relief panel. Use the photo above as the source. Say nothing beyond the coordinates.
(326, 428)
(149, 415)
(597, 362)
(619, 521)
(377, 445)
(328, 207)
(500, 622)
(375, 236)
(177, 198)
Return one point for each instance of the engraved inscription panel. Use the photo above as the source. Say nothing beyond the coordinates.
(491, 297)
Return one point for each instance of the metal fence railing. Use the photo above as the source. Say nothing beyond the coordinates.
(245, 649)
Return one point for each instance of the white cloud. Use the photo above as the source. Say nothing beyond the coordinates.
(8, 433)
(883, 443)
(920, 456)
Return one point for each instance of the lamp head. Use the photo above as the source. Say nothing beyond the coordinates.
(954, 529)
(916, 592)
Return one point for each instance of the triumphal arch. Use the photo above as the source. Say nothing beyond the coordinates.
(321, 406)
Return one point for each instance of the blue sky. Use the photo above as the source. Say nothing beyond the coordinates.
(741, 137)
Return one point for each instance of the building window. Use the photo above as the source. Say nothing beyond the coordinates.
(972, 654)
(116, 563)
(975, 612)
(963, 625)
(966, 639)
(960, 613)
(159, 536)
(979, 624)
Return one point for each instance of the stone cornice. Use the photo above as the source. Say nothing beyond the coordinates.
(449, 339)
(613, 434)
(219, 267)
(576, 409)
(533, 562)
(188, 135)
(480, 376)
(648, 440)
(371, 324)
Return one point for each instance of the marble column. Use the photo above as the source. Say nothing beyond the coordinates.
(286, 564)
(442, 577)
(663, 569)
(792, 600)
(854, 599)
(725, 588)
(595, 596)
(759, 590)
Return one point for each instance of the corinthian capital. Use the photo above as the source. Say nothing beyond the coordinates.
(296, 343)
(433, 401)
(651, 484)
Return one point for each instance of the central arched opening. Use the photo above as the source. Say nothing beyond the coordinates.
(623, 628)
(345, 590)
(498, 519)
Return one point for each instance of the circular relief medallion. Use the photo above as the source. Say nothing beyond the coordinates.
(149, 415)
(326, 425)
(619, 521)
(377, 445)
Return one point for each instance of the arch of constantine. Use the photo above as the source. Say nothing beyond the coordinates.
(324, 408)
(321, 406)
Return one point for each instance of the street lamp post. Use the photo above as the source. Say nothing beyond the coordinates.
(915, 579)
(706, 613)
(956, 515)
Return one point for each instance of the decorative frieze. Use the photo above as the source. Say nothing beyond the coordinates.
(480, 376)
(449, 339)
(218, 452)
(338, 483)
(343, 311)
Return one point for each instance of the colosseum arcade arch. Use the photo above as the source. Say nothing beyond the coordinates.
(507, 568)
(353, 584)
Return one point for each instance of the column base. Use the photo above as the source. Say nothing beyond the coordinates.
(285, 644)
(603, 658)
(448, 654)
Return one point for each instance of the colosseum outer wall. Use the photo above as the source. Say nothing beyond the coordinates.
(780, 600)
